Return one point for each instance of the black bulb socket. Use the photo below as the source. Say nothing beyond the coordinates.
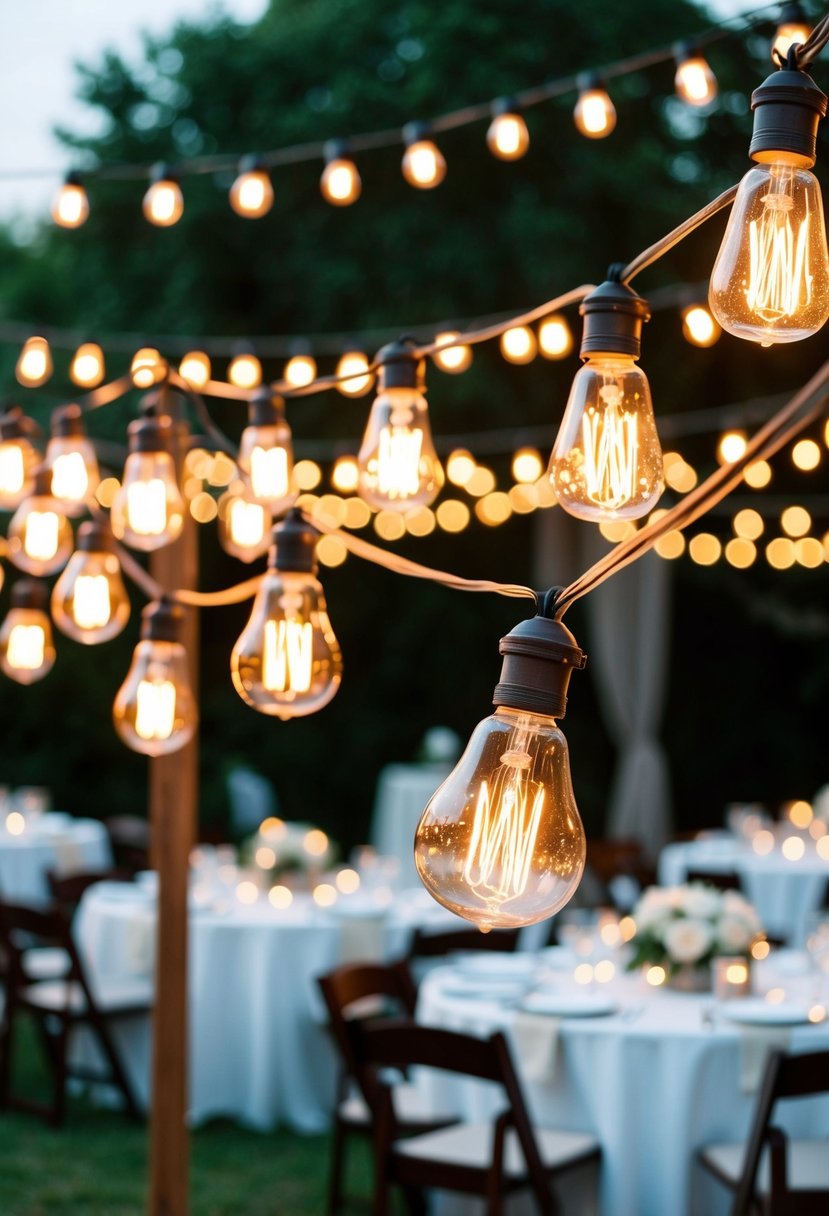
(293, 545)
(162, 621)
(401, 366)
(30, 593)
(265, 408)
(151, 434)
(539, 655)
(788, 107)
(613, 318)
(94, 536)
(67, 422)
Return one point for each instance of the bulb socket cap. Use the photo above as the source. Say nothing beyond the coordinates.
(265, 407)
(95, 536)
(151, 434)
(30, 593)
(788, 107)
(162, 621)
(400, 366)
(293, 545)
(613, 318)
(14, 424)
(42, 483)
(67, 422)
(539, 655)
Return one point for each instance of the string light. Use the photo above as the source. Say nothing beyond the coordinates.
(266, 454)
(453, 357)
(287, 660)
(89, 601)
(806, 455)
(423, 164)
(148, 509)
(704, 549)
(345, 476)
(71, 461)
(70, 207)
(155, 711)
(244, 527)
(340, 182)
(758, 474)
(147, 367)
(507, 136)
(732, 447)
(18, 458)
(518, 344)
(780, 553)
(460, 466)
(606, 462)
(795, 521)
(34, 366)
(163, 204)
(555, 339)
(748, 524)
(87, 368)
(595, 113)
(300, 370)
(699, 326)
(399, 468)
(694, 81)
(27, 651)
(353, 377)
(251, 194)
(195, 368)
(527, 465)
(740, 553)
(793, 29)
(245, 370)
(40, 536)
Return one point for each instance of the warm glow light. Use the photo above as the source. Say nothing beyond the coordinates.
(423, 164)
(246, 527)
(245, 371)
(247, 892)
(389, 525)
(796, 521)
(147, 367)
(348, 881)
(789, 32)
(595, 114)
(800, 813)
(70, 206)
(694, 81)
(307, 474)
(732, 446)
(583, 973)
(822, 848)
(331, 551)
(740, 553)
(748, 524)
(26, 647)
(806, 455)
(452, 515)
(793, 848)
(555, 339)
(195, 368)
(604, 971)
(481, 482)
(699, 327)
(808, 552)
(156, 709)
(453, 359)
(340, 182)
(34, 366)
(507, 136)
(300, 371)
(527, 465)
(354, 365)
(704, 549)
(420, 521)
(671, 545)
(655, 976)
(265, 857)
(762, 842)
(15, 823)
(251, 194)
(518, 344)
(155, 712)
(617, 530)
(760, 949)
(325, 895)
(493, 509)
(679, 475)
(147, 507)
(315, 842)
(163, 203)
(757, 475)
(460, 466)
(288, 656)
(280, 897)
(399, 468)
(736, 973)
(87, 366)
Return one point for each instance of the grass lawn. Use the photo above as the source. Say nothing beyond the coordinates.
(98, 1163)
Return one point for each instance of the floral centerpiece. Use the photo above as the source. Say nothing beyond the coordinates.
(683, 928)
(281, 848)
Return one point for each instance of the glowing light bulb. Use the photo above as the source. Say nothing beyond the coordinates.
(287, 660)
(423, 164)
(27, 652)
(527, 466)
(606, 463)
(155, 710)
(89, 600)
(87, 367)
(399, 468)
(147, 367)
(354, 365)
(555, 339)
(345, 476)
(792, 30)
(507, 136)
(300, 370)
(18, 459)
(148, 509)
(770, 281)
(454, 358)
(732, 446)
(595, 114)
(71, 460)
(340, 182)
(40, 536)
(163, 204)
(244, 527)
(34, 366)
(251, 195)
(694, 81)
(70, 207)
(195, 368)
(460, 466)
(266, 452)
(518, 344)
(699, 327)
(245, 370)
(501, 842)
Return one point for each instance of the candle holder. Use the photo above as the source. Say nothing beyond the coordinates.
(731, 977)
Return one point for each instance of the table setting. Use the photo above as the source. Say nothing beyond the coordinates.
(35, 839)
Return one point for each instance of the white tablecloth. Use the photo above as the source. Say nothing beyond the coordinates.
(56, 842)
(259, 1051)
(783, 892)
(652, 1082)
(402, 793)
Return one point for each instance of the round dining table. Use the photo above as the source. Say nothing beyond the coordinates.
(654, 1074)
(259, 1051)
(52, 841)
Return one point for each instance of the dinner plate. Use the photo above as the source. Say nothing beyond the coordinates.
(754, 1011)
(569, 1004)
(496, 966)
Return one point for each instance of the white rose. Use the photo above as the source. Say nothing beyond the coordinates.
(734, 933)
(687, 939)
(702, 902)
(653, 907)
(735, 904)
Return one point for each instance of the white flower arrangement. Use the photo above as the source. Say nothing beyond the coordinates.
(689, 925)
(283, 847)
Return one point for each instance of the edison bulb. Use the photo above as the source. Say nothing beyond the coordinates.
(266, 452)
(34, 366)
(699, 327)
(40, 536)
(340, 182)
(555, 340)
(793, 30)
(148, 509)
(353, 375)
(595, 113)
(70, 207)
(89, 601)
(454, 358)
(163, 204)
(399, 467)
(501, 842)
(519, 344)
(507, 136)
(423, 164)
(27, 651)
(195, 368)
(251, 194)
(87, 367)
(287, 660)
(694, 81)
(18, 459)
(607, 460)
(770, 282)
(244, 527)
(245, 370)
(155, 710)
(300, 371)
(71, 461)
(147, 367)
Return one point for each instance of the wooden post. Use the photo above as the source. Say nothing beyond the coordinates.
(173, 801)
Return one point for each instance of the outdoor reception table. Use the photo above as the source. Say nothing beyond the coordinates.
(653, 1080)
(784, 891)
(403, 791)
(53, 841)
(259, 1052)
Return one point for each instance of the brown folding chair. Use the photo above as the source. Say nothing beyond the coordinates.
(67, 891)
(57, 1006)
(129, 838)
(361, 990)
(489, 1159)
(771, 1174)
(433, 945)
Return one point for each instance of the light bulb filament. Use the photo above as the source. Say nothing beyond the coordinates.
(27, 644)
(269, 472)
(155, 712)
(287, 661)
(504, 830)
(247, 523)
(70, 479)
(92, 607)
(780, 281)
(12, 468)
(41, 540)
(398, 461)
(610, 441)
(147, 507)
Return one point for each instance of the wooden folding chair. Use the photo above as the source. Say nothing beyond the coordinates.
(489, 1159)
(433, 945)
(57, 1006)
(770, 1174)
(67, 891)
(361, 990)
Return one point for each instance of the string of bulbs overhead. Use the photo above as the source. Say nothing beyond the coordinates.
(501, 842)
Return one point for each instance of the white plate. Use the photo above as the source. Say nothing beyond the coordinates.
(483, 989)
(569, 1005)
(754, 1011)
(496, 966)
